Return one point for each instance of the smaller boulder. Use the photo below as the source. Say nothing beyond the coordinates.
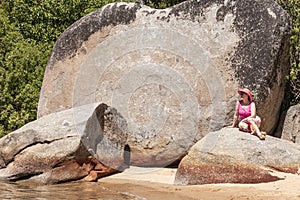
(105, 136)
(291, 127)
(231, 156)
(87, 141)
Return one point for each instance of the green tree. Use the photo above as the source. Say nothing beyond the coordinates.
(21, 74)
(293, 8)
(46, 20)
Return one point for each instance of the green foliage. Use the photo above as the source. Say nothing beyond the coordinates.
(45, 20)
(293, 8)
(23, 79)
(160, 4)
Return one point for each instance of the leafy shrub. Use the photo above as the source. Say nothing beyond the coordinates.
(293, 8)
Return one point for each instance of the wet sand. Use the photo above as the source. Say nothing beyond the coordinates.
(154, 183)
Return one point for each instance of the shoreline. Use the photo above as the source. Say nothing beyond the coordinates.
(157, 183)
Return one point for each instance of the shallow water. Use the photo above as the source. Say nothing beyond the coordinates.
(73, 190)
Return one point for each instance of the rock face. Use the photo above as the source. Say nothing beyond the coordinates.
(105, 136)
(173, 73)
(55, 148)
(291, 127)
(231, 156)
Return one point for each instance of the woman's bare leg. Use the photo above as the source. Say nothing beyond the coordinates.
(254, 127)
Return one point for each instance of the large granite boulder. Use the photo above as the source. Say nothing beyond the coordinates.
(291, 126)
(172, 73)
(67, 145)
(231, 156)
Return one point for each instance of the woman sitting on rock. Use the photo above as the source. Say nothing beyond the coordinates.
(245, 111)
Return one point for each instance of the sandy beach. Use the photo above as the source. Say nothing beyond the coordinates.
(157, 183)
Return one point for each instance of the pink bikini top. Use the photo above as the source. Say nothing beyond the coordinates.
(244, 112)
